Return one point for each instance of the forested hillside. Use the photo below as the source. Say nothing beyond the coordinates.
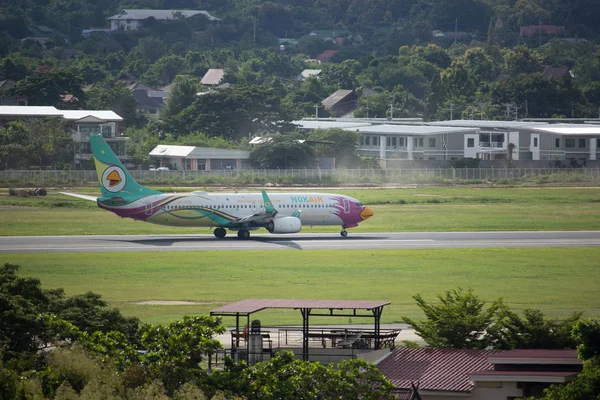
(434, 59)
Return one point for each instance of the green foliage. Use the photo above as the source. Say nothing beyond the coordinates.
(460, 320)
(587, 333)
(282, 152)
(534, 331)
(343, 147)
(283, 377)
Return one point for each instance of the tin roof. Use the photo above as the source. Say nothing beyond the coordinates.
(435, 369)
(568, 129)
(336, 97)
(48, 111)
(198, 152)
(105, 115)
(213, 76)
(417, 130)
(141, 14)
(328, 124)
(475, 123)
(249, 306)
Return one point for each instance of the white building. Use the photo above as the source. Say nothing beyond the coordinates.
(191, 158)
(131, 20)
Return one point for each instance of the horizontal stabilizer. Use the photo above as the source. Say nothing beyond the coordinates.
(81, 196)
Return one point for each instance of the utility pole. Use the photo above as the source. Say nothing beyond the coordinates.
(317, 111)
(255, 30)
(455, 30)
(367, 108)
(451, 111)
(392, 109)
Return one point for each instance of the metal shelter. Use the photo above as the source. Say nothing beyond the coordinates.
(326, 308)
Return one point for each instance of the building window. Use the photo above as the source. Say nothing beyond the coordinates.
(401, 142)
(367, 140)
(557, 142)
(470, 142)
(569, 143)
(394, 141)
(431, 142)
(581, 143)
(375, 140)
(418, 142)
(107, 131)
(535, 142)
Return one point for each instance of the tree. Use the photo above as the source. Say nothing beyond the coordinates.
(282, 152)
(534, 331)
(110, 95)
(182, 95)
(587, 383)
(44, 88)
(284, 377)
(343, 147)
(461, 320)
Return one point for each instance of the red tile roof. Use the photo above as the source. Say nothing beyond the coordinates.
(435, 369)
(326, 55)
(537, 353)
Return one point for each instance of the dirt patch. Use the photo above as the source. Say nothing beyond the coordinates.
(171, 303)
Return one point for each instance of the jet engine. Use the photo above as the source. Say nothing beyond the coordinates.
(284, 225)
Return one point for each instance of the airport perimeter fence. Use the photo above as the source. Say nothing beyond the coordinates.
(48, 178)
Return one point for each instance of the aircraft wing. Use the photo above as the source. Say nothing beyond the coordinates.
(262, 217)
(81, 196)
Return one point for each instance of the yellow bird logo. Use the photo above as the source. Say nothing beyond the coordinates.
(114, 178)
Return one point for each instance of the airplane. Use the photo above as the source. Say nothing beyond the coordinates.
(241, 212)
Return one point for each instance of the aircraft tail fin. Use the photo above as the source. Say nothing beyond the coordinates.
(268, 204)
(115, 181)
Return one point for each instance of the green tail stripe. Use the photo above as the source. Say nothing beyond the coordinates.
(268, 205)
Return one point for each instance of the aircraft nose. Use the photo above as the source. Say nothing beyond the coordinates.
(366, 213)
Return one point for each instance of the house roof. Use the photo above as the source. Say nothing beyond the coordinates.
(71, 115)
(326, 55)
(171, 151)
(213, 76)
(336, 97)
(524, 376)
(310, 72)
(537, 356)
(141, 14)
(105, 115)
(435, 369)
(558, 72)
(33, 111)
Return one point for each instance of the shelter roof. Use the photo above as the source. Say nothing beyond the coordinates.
(310, 72)
(435, 369)
(569, 129)
(171, 151)
(250, 306)
(416, 130)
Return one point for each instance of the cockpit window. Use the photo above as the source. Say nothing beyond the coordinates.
(359, 204)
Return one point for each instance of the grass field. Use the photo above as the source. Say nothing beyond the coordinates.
(415, 209)
(558, 281)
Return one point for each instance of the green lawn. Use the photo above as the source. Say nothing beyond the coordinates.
(417, 209)
(558, 281)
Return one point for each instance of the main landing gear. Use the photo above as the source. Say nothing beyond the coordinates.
(220, 233)
(344, 232)
(243, 234)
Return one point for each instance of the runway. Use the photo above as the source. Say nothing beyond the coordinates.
(302, 241)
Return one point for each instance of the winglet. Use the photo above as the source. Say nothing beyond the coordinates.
(268, 205)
